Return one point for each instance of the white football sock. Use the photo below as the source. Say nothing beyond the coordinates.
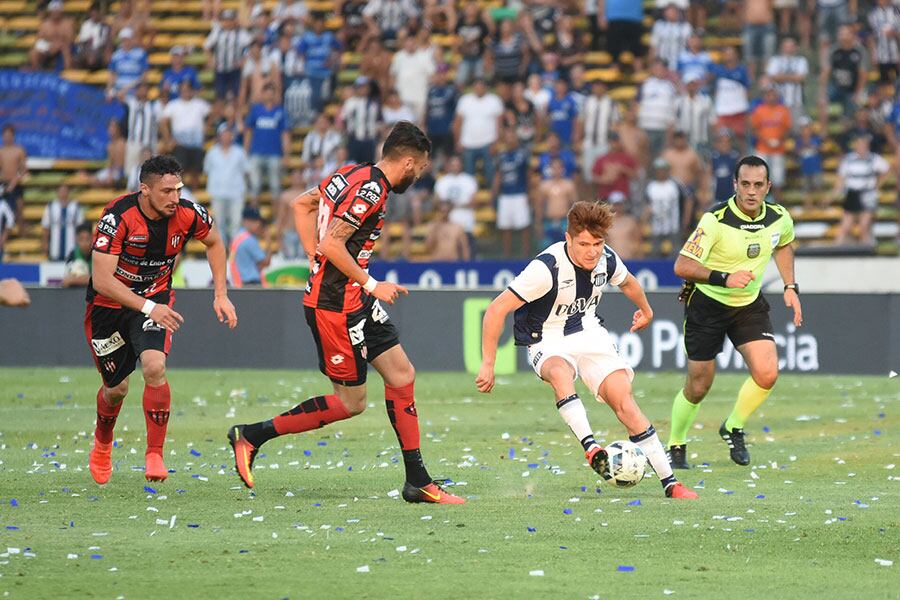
(572, 411)
(653, 449)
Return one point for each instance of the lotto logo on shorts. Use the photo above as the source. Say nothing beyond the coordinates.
(536, 359)
(105, 346)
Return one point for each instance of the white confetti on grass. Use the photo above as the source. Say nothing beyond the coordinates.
(884, 563)
(536, 573)
(362, 569)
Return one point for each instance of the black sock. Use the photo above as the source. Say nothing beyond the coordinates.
(416, 474)
(667, 481)
(260, 433)
(587, 442)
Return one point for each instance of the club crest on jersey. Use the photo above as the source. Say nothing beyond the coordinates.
(753, 250)
(176, 239)
(599, 279)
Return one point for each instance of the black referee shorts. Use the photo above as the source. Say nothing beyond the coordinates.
(708, 321)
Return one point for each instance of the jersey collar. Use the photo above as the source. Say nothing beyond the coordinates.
(732, 204)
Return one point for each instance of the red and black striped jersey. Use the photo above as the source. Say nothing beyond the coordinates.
(356, 194)
(146, 248)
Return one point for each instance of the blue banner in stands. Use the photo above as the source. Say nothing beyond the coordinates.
(56, 118)
(496, 274)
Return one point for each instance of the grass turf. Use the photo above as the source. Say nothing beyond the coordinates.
(809, 518)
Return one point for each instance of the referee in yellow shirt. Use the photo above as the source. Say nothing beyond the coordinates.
(723, 262)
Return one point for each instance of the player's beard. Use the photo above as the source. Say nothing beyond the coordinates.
(404, 183)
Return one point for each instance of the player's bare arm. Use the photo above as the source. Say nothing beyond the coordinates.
(334, 247)
(215, 255)
(106, 284)
(784, 260)
(634, 292)
(692, 270)
(306, 210)
(492, 327)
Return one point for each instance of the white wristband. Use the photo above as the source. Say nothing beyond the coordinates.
(370, 284)
(148, 307)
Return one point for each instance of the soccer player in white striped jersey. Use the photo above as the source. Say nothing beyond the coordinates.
(555, 300)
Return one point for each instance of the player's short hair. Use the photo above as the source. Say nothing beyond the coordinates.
(405, 138)
(159, 165)
(9, 127)
(593, 217)
(751, 161)
(85, 227)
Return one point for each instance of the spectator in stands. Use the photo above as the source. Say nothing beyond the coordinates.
(510, 53)
(623, 22)
(78, 261)
(554, 197)
(664, 200)
(695, 115)
(411, 68)
(686, 168)
(361, 115)
(626, 233)
(285, 235)
(224, 48)
(866, 124)
(246, 258)
(128, 64)
(789, 71)
(523, 118)
(788, 9)
(669, 36)
(562, 114)
(567, 45)
(635, 140)
(394, 110)
(183, 125)
(354, 27)
(884, 24)
(724, 159)
(440, 112)
(137, 18)
(446, 240)
(113, 171)
(406, 210)
(549, 69)
(771, 122)
(53, 44)
(178, 72)
(233, 121)
(459, 189)
(13, 171)
(843, 76)
(292, 10)
(440, 15)
(322, 140)
(657, 101)
(387, 18)
(226, 169)
(599, 119)
(61, 216)
(808, 150)
(210, 8)
(614, 170)
(7, 223)
(510, 188)
(832, 15)
(694, 61)
(92, 46)
(555, 150)
(258, 72)
(479, 119)
(142, 120)
(537, 94)
(264, 29)
(321, 52)
(267, 142)
(472, 36)
(134, 176)
(732, 85)
(759, 34)
(859, 178)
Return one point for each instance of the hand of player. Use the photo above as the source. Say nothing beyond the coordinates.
(640, 320)
(792, 301)
(13, 294)
(388, 292)
(164, 316)
(225, 311)
(485, 380)
(739, 279)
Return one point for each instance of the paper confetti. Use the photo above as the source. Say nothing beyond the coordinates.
(625, 568)
(883, 562)
(362, 569)
(536, 573)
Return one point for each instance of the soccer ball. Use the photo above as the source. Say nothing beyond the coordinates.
(77, 268)
(626, 464)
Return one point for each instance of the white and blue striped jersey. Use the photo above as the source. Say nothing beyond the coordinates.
(560, 297)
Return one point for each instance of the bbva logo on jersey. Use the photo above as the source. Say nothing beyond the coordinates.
(579, 306)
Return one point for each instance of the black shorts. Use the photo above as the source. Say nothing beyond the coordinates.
(624, 36)
(191, 159)
(117, 336)
(345, 342)
(708, 321)
(227, 83)
(13, 198)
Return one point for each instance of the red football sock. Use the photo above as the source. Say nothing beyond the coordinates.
(106, 418)
(311, 414)
(401, 410)
(156, 413)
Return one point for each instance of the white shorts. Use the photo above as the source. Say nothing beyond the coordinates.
(777, 168)
(513, 211)
(591, 352)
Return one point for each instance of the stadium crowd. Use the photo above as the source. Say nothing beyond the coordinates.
(511, 110)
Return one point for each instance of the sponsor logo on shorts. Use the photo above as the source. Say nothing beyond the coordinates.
(767, 335)
(105, 346)
(692, 246)
(537, 357)
(364, 255)
(151, 325)
(753, 250)
(337, 359)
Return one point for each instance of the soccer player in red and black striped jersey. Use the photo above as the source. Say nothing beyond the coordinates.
(338, 223)
(130, 297)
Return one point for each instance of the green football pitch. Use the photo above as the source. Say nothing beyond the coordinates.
(816, 515)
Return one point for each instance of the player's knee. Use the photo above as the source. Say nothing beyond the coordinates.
(355, 406)
(154, 372)
(115, 394)
(558, 373)
(766, 378)
(696, 390)
(401, 376)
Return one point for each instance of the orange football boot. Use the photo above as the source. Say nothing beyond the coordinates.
(155, 469)
(432, 492)
(100, 461)
(678, 491)
(244, 454)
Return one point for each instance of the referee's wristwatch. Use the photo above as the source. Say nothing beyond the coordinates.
(792, 286)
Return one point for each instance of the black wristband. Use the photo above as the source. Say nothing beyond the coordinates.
(718, 278)
(792, 286)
